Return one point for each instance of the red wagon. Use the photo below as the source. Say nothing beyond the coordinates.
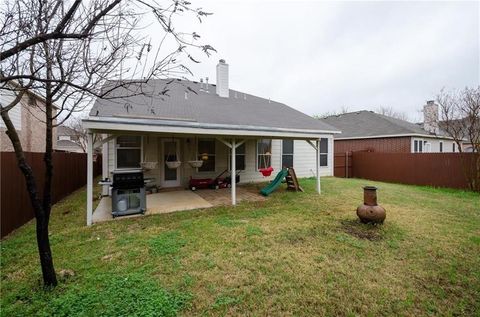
(213, 183)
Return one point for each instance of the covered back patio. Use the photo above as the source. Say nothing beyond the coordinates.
(178, 200)
(182, 135)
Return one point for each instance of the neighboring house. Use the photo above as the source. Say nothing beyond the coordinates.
(68, 140)
(370, 131)
(28, 117)
(463, 126)
(201, 121)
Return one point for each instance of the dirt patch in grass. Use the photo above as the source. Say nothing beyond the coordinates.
(362, 231)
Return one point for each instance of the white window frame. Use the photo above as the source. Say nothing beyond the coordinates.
(237, 154)
(323, 153)
(199, 155)
(291, 154)
(258, 154)
(116, 155)
(440, 146)
(454, 146)
(419, 142)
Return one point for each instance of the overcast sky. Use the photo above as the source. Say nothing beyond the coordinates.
(321, 56)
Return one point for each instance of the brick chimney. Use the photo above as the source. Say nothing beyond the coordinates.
(222, 79)
(430, 117)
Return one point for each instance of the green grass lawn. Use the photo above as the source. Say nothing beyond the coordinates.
(297, 254)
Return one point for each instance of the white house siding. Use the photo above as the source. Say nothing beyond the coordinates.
(304, 159)
(435, 145)
(6, 97)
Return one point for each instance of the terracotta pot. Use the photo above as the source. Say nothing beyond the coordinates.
(370, 212)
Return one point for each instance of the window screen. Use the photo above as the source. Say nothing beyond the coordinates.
(129, 151)
(323, 152)
(287, 153)
(206, 153)
(264, 153)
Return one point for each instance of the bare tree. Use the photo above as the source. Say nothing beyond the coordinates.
(65, 51)
(390, 112)
(79, 133)
(460, 119)
(343, 110)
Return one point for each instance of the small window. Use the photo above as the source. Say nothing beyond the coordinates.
(453, 147)
(206, 153)
(418, 146)
(264, 153)
(287, 153)
(129, 151)
(323, 152)
(239, 158)
(441, 146)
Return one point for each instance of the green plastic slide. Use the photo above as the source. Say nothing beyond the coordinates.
(275, 183)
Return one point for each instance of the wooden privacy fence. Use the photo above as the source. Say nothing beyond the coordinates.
(69, 174)
(342, 166)
(431, 169)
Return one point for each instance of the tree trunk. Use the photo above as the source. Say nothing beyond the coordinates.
(45, 253)
(43, 243)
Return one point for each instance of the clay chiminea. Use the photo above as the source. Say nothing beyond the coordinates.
(370, 212)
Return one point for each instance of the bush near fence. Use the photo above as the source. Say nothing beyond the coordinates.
(69, 174)
(429, 169)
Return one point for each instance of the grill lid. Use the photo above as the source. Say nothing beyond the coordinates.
(128, 179)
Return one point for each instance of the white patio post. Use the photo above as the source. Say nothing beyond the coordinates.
(233, 173)
(104, 166)
(89, 178)
(318, 165)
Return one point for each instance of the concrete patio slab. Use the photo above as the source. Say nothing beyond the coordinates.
(157, 203)
(223, 196)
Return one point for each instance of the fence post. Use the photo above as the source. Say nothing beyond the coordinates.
(346, 164)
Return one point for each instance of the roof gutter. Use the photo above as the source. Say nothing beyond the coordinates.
(173, 126)
(395, 136)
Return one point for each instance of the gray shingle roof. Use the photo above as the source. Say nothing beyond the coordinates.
(370, 124)
(185, 100)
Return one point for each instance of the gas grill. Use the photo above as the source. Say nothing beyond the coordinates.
(128, 193)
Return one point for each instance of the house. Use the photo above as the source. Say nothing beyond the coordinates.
(462, 128)
(370, 131)
(27, 118)
(68, 140)
(163, 120)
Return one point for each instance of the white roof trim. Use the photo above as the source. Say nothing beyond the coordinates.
(396, 136)
(183, 127)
